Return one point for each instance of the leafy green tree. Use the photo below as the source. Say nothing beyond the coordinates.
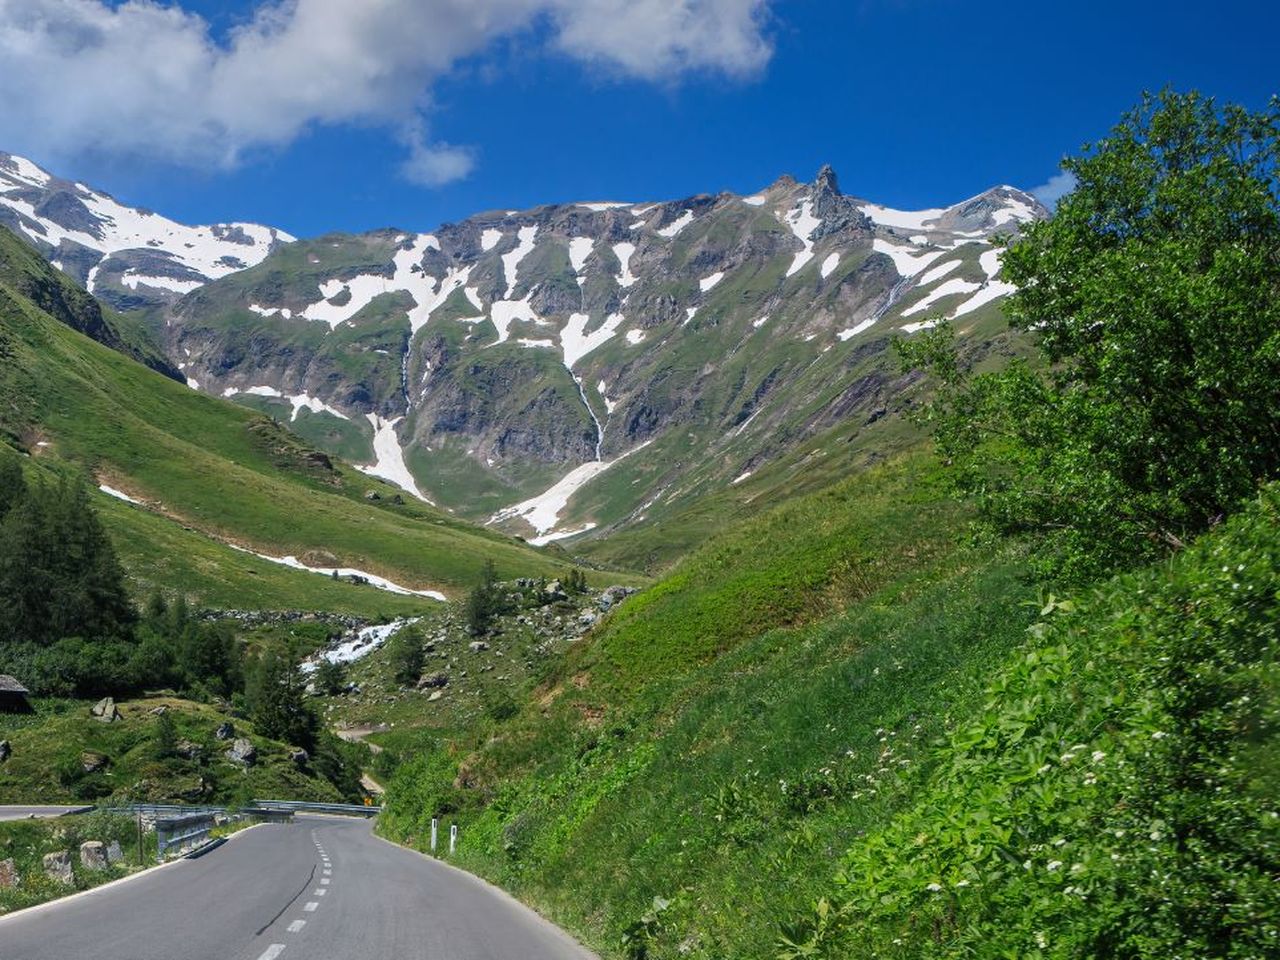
(1153, 295)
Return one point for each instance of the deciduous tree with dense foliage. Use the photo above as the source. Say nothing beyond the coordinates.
(1153, 295)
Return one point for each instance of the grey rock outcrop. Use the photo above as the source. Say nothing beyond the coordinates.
(57, 866)
(105, 710)
(93, 855)
(9, 877)
(242, 752)
(225, 730)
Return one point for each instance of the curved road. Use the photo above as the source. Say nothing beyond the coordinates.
(317, 889)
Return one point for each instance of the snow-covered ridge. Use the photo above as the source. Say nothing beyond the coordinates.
(61, 215)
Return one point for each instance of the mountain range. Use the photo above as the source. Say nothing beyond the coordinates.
(568, 370)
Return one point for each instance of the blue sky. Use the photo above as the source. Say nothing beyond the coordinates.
(914, 102)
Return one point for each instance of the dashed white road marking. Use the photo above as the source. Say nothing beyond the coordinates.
(297, 925)
(311, 906)
(320, 892)
(328, 872)
(272, 952)
(324, 881)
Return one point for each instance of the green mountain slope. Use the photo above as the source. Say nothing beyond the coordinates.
(206, 472)
(844, 673)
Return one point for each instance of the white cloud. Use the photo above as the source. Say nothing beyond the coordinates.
(1054, 189)
(142, 79)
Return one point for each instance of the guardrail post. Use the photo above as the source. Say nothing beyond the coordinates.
(435, 825)
(453, 838)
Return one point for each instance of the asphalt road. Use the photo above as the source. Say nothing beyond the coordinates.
(317, 889)
(23, 813)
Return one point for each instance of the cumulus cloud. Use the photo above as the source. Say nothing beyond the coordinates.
(1054, 189)
(145, 79)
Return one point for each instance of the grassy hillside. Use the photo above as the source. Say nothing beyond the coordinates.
(209, 472)
(823, 735)
(51, 747)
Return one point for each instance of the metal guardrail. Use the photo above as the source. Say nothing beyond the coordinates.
(183, 832)
(303, 806)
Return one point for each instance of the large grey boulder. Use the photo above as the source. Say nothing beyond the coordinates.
(57, 866)
(433, 680)
(93, 855)
(105, 710)
(114, 853)
(9, 874)
(242, 752)
(225, 730)
(299, 756)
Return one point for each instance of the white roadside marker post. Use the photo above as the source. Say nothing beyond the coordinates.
(435, 825)
(453, 838)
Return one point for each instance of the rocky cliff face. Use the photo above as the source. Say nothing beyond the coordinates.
(580, 365)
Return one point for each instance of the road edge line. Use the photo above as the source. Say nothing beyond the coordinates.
(503, 894)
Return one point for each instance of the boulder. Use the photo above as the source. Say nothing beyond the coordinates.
(476, 646)
(57, 866)
(225, 730)
(114, 853)
(433, 680)
(554, 591)
(105, 710)
(242, 752)
(93, 855)
(435, 695)
(9, 874)
(588, 618)
(189, 750)
(92, 762)
(613, 596)
(6, 751)
(299, 756)
(160, 711)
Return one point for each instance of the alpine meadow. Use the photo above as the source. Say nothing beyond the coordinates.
(772, 573)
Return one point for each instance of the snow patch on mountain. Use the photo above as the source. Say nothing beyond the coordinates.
(948, 289)
(390, 465)
(577, 343)
(907, 263)
(938, 272)
(706, 283)
(579, 249)
(671, 229)
(802, 223)
(543, 511)
(490, 238)
(506, 312)
(904, 219)
(623, 252)
(511, 261)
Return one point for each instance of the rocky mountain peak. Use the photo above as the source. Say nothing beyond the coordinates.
(826, 182)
